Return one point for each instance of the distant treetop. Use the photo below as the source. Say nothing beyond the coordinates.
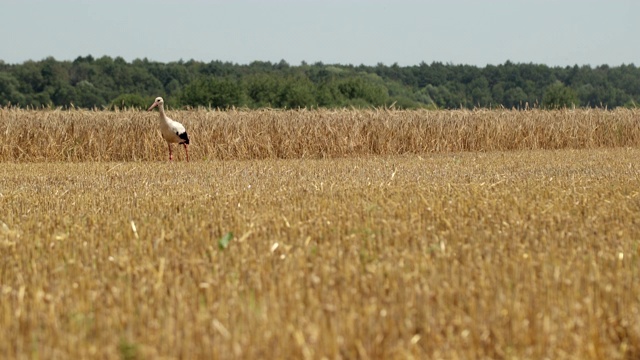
(107, 82)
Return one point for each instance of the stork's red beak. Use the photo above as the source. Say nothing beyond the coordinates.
(152, 106)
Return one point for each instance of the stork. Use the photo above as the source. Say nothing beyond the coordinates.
(172, 131)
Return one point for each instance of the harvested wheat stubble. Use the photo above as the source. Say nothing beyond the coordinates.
(80, 135)
(521, 254)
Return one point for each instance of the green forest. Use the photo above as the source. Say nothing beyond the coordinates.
(109, 83)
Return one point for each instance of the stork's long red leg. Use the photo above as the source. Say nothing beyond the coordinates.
(186, 151)
(170, 153)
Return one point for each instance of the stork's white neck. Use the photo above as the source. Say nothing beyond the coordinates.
(163, 116)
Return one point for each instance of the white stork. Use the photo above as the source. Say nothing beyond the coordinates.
(172, 131)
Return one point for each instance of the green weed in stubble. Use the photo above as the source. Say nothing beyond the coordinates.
(128, 350)
(224, 241)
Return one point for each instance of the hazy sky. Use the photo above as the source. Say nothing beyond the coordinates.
(476, 32)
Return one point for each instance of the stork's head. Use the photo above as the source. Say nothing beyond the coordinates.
(158, 102)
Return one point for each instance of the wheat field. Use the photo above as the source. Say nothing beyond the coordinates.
(81, 135)
(321, 234)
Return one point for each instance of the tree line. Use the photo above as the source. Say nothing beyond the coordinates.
(107, 82)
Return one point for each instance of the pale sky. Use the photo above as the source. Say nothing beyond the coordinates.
(407, 32)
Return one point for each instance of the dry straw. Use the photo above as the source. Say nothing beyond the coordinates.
(469, 256)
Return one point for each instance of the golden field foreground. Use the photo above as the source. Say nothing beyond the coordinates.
(522, 254)
(376, 234)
